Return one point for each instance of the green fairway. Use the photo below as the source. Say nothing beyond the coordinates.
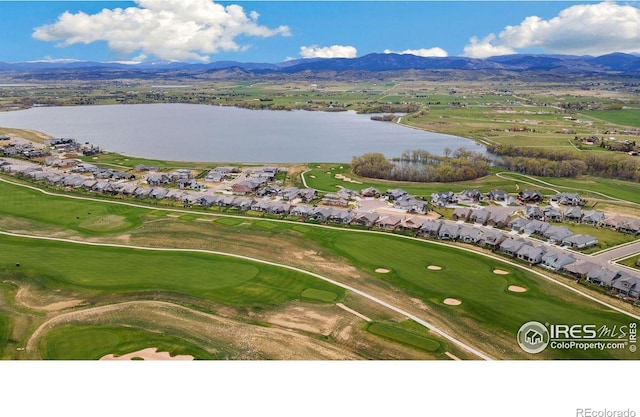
(625, 117)
(89, 217)
(122, 270)
(401, 335)
(5, 329)
(91, 342)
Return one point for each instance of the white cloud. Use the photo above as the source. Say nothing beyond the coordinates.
(593, 29)
(483, 48)
(169, 29)
(423, 52)
(334, 51)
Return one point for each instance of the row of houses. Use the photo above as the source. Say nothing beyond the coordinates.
(616, 282)
(448, 198)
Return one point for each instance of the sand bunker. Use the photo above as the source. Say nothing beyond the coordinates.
(452, 301)
(147, 354)
(434, 267)
(347, 179)
(515, 288)
(382, 271)
(312, 176)
(500, 272)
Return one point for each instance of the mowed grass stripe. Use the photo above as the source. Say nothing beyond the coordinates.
(105, 270)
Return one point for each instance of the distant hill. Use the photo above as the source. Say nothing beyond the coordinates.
(556, 64)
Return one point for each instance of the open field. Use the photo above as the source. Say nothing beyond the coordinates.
(254, 293)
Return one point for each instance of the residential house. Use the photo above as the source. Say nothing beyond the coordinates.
(430, 228)
(443, 198)
(461, 214)
(557, 234)
(498, 219)
(579, 241)
(551, 214)
(411, 224)
(536, 227)
(530, 196)
(479, 216)
(448, 231)
(320, 214)
(334, 199)
(366, 219)
(592, 217)
(469, 196)
(611, 222)
(389, 222)
(568, 199)
(301, 210)
(556, 260)
(532, 212)
(411, 205)
(158, 193)
(394, 194)
(342, 216)
(189, 184)
(627, 285)
(573, 214)
(142, 192)
(497, 195)
(492, 239)
(306, 195)
(518, 224)
(578, 269)
(156, 179)
(601, 276)
(370, 192)
(530, 254)
(511, 245)
(469, 234)
(631, 226)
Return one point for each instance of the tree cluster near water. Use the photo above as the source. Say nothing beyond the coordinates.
(555, 163)
(422, 166)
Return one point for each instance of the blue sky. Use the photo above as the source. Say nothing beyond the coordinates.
(270, 31)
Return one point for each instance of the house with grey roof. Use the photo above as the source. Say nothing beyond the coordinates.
(578, 269)
(307, 194)
(301, 210)
(469, 196)
(342, 216)
(579, 241)
(461, 214)
(592, 217)
(552, 214)
(394, 194)
(366, 219)
(142, 192)
(156, 179)
(603, 277)
(627, 285)
(518, 224)
(573, 214)
(556, 260)
(630, 226)
(612, 222)
(411, 204)
(370, 192)
(443, 198)
(557, 234)
(532, 212)
(411, 224)
(469, 234)
(448, 231)
(207, 200)
(430, 228)
(320, 214)
(479, 216)
(511, 245)
(492, 239)
(530, 254)
(530, 196)
(568, 199)
(158, 193)
(536, 227)
(497, 195)
(498, 219)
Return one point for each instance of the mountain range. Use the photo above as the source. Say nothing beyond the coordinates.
(376, 62)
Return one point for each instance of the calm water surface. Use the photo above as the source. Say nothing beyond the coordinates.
(201, 133)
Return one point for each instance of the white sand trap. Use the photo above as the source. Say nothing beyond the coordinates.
(312, 176)
(452, 301)
(382, 271)
(500, 272)
(434, 267)
(147, 354)
(515, 288)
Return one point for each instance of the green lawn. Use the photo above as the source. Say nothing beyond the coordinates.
(86, 342)
(624, 117)
(399, 334)
(77, 267)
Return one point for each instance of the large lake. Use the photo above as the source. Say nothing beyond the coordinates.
(201, 133)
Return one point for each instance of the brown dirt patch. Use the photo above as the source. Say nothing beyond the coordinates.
(382, 271)
(516, 288)
(434, 267)
(347, 179)
(452, 301)
(147, 354)
(500, 272)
